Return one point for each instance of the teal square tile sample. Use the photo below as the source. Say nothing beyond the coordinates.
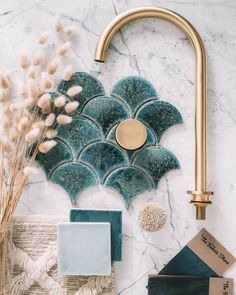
(84, 249)
(114, 217)
(87, 152)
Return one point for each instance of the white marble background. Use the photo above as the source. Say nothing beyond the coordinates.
(159, 52)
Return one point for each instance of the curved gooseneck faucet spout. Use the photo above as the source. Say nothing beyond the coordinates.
(200, 196)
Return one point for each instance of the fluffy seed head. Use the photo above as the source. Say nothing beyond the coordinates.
(33, 88)
(30, 171)
(152, 217)
(46, 82)
(52, 67)
(47, 146)
(32, 135)
(3, 95)
(70, 107)
(60, 101)
(52, 133)
(39, 124)
(67, 73)
(23, 90)
(24, 60)
(16, 106)
(38, 58)
(63, 49)
(23, 124)
(29, 103)
(44, 100)
(58, 24)
(69, 30)
(31, 73)
(50, 120)
(4, 81)
(43, 38)
(74, 90)
(63, 119)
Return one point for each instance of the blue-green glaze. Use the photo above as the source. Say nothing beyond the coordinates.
(89, 141)
(74, 178)
(114, 217)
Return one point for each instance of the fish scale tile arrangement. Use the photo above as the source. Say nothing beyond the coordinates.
(87, 153)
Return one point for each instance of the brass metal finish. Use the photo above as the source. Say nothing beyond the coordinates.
(200, 195)
(131, 134)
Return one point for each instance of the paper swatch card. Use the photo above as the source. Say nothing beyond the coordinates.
(203, 256)
(182, 285)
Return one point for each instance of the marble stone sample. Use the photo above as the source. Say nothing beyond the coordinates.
(84, 249)
(114, 217)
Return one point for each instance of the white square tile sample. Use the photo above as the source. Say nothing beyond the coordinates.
(84, 248)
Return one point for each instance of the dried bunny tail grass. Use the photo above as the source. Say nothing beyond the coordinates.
(70, 107)
(51, 133)
(60, 101)
(4, 81)
(23, 124)
(58, 24)
(50, 120)
(67, 73)
(23, 90)
(29, 103)
(74, 90)
(24, 60)
(38, 58)
(13, 134)
(63, 119)
(3, 95)
(47, 146)
(32, 135)
(44, 100)
(43, 38)
(31, 73)
(52, 67)
(69, 30)
(63, 49)
(39, 124)
(16, 106)
(30, 171)
(33, 88)
(46, 82)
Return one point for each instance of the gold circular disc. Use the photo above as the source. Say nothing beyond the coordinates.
(131, 134)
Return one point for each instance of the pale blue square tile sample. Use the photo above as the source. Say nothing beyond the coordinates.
(84, 249)
(114, 217)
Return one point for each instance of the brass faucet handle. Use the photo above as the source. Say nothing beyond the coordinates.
(201, 199)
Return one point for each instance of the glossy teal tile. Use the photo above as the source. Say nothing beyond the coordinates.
(156, 161)
(105, 112)
(103, 157)
(134, 91)
(128, 182)
(84, 249)
(114, 217)
(74, 178)
(159, 116)
(92, 144)
(91, 87)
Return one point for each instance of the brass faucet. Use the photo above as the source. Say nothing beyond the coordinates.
(200, 196)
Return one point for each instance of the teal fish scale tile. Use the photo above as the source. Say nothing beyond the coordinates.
(88, 153)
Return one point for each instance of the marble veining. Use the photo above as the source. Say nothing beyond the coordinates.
(159, 52)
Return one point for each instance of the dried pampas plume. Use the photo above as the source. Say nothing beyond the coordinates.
(70, 107)
(52, 67)
(67, 73)
(43, 38)
(60, 101)
(152, 217)
(69, 30)
(63, 49)
(58, 24)
(24, 60)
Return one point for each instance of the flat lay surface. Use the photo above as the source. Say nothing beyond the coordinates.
(160, 53)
